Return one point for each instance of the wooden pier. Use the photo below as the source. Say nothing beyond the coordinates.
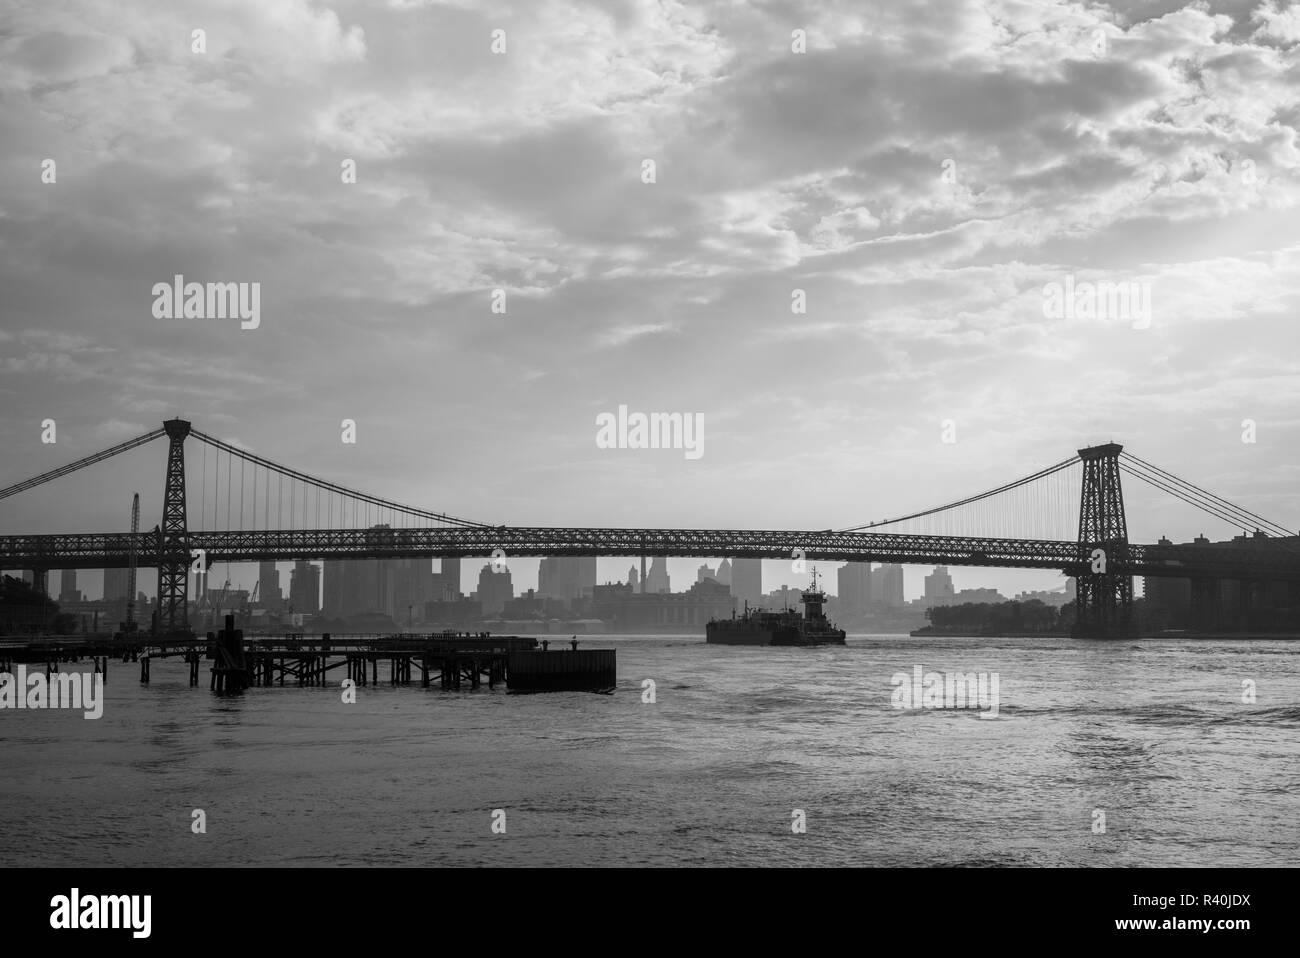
(562, 670)
(452, 660)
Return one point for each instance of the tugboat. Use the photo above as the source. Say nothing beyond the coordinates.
(788, 627)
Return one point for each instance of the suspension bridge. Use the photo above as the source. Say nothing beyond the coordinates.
(1069, 517)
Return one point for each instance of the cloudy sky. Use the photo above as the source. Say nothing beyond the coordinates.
(921, 172)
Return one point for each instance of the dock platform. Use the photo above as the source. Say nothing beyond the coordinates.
(239, 661)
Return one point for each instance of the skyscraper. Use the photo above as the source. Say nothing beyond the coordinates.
(938, 587)
(854, 586)
(887, 586)
(393, 587)
(451, 575)
(304, 587)
(268, 586)
(495, 589)
(68, 591)
(724, 572)
(115, 586)
(566, 577)
(412, 586)
(656, 580)
(747, 580)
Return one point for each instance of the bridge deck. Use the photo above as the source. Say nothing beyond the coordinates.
(1278, 559)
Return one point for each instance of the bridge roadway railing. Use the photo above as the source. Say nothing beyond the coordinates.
(110, 550)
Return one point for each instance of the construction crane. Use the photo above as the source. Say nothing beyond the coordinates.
(130, 574)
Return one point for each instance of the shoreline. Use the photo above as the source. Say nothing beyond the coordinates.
(930, 633)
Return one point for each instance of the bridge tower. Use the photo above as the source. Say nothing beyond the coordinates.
(173, 536)
(1104, 599)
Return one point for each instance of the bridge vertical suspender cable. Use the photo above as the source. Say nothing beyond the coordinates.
(357, 497)
(970, 500)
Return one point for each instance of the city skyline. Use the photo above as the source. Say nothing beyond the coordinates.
(524, 572)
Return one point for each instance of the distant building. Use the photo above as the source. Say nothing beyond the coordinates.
(706, 573)
(68, 591)
(451, 578)
(786, 597)
(115, 585)
(634, 579)
(724, 572)
(413, 584)
(304, 587)
(975, 596)
(566, 577)
(495, 589)
(689, 611)
(268, 586)
(445, 586)
(454, 613)
(887, 586)
(938, 588)
(853, 582)
(1053, 597)
(656, 579)
(398, 588)
(747, 581)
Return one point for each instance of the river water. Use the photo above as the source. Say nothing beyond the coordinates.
(1152, 735)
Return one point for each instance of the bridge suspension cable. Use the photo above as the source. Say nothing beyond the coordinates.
(1202, 499)
(320, 485)
(79, 464)
(1045, 511)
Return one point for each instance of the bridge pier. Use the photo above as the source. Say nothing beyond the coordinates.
(1104, 607)
(1250, 603)
(1104, 590)
(1207, 604)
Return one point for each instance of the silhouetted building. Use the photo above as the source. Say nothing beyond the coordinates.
(853, 582)
(1053, 597)
(684, 612)
(304, 587)
(566, 577)
(398, 588)
(495, 589)
(68, 591)
(887, 586)
(724, 572)
(938, 588)
(115, 584)
(453, 613)
(656, 578)
(269, 595)
(450, 571)
(975, 595)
